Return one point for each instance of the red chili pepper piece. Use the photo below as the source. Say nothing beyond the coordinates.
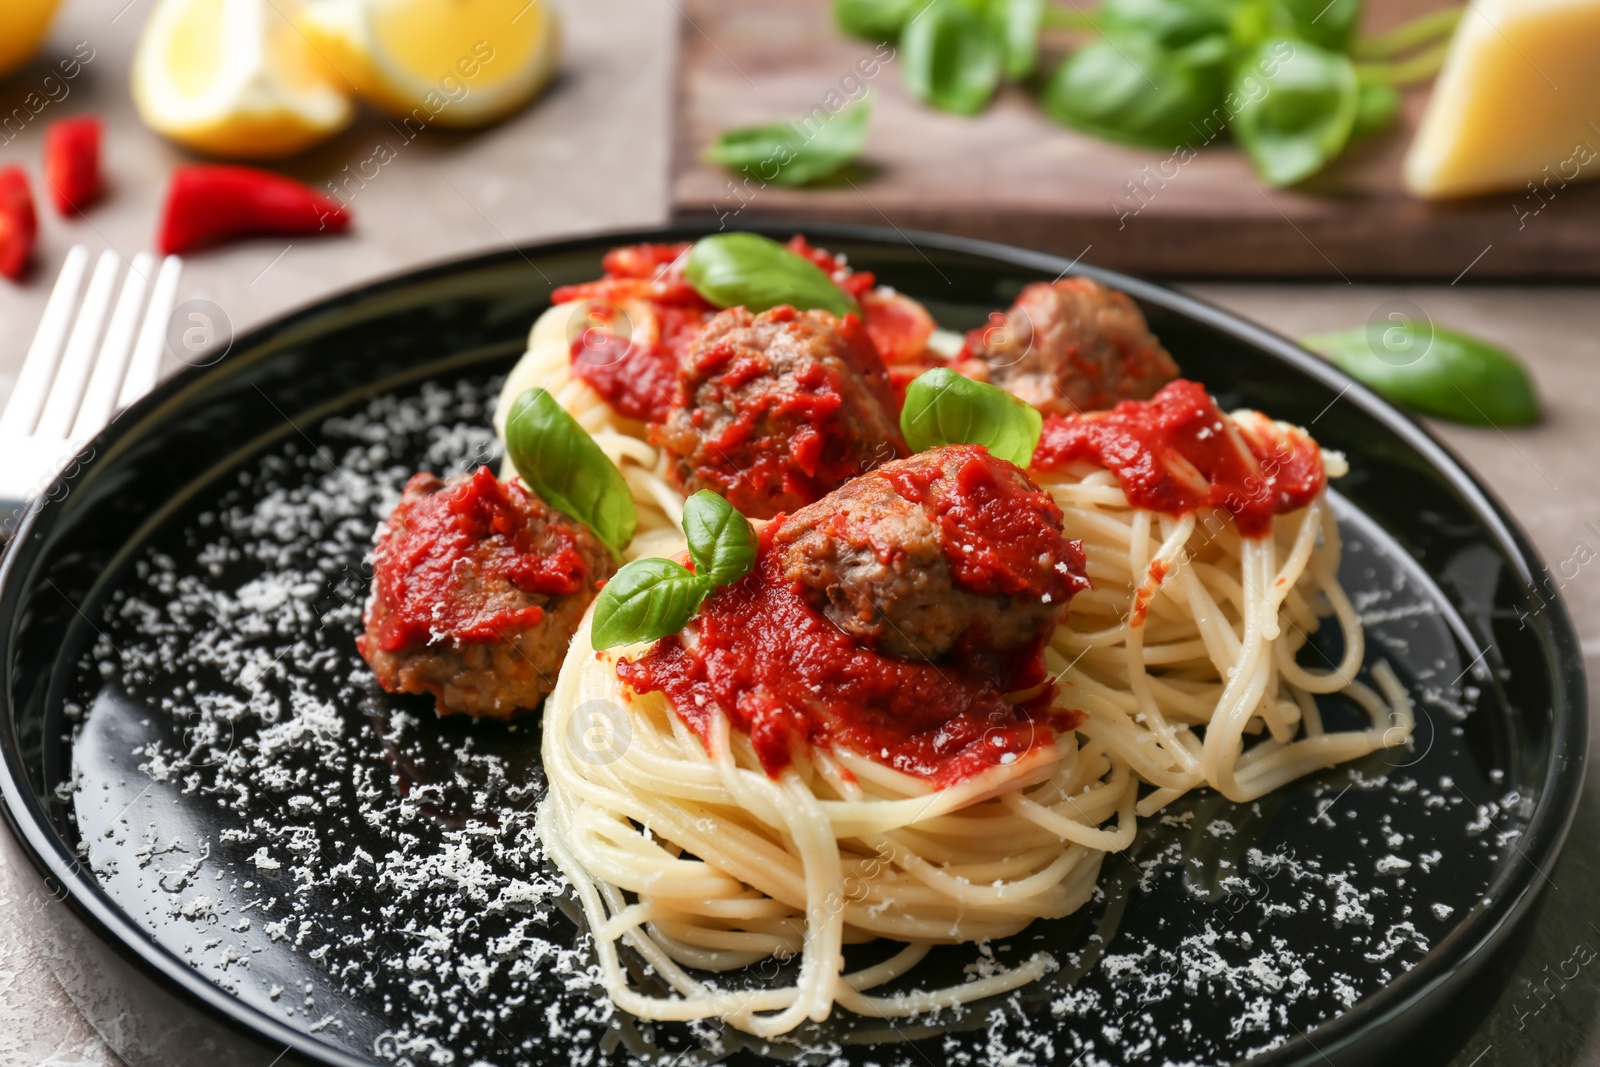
(208, 204)
(72, 163)
(19, 223)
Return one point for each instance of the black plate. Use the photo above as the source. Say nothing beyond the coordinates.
(287, 862)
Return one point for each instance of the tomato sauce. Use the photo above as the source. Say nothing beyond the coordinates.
(1177, 453)
(444, 549)
(760, 653)
(642, 317)
(994, 527)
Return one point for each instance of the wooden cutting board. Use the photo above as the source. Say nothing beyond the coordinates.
(1012, 175)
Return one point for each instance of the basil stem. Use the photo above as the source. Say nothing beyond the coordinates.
(945, 408)
(798, 151)
(1133, 89)
(559, 461)
(645, 601)
(721, 542)
(952, 57)
(1438, 372)
(1299, 108)
(1425, 29)
(757, 273)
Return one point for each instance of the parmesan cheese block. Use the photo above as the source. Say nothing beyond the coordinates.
(1518, 101)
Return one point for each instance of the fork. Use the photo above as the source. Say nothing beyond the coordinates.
(76, 375)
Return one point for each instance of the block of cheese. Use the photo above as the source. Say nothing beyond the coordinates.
(1518, 101)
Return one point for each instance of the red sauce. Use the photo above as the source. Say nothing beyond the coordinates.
(1177, 452)
(786, 676)
(445, 548)
(994, 526)
(641, 319)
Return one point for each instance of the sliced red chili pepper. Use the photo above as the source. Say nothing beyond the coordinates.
(19, 223)
(209, 203)
(72, 163)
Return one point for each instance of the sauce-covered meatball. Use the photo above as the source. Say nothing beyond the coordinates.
(952, 550)
(1072, 345)
(477, 589)
(776, 410)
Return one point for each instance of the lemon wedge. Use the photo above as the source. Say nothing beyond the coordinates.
(23, 24)
(438, 62)
(234, 78)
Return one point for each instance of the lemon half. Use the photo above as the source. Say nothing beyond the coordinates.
(234, 78)
(438, 62)
(23, 24)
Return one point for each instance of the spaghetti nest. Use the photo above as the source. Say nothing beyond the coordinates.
(1184, 659)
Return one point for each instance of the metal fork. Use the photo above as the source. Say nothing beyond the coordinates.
(80, 371)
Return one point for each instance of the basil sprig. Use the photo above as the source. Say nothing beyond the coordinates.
(1171, 74)
(945, 408)
(757, 273)
(1305, 114)
(1437, 371)
(558, 460)
(651, 598)
(797, 151)
(1139, 90)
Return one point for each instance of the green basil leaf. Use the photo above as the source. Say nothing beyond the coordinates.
(1170, 23)
(1132, 89)
(1297, 108)
(1017, 24)
(944, 408)
(1327, 23)
(1436, 371)
(757, 273)
(721, 542)
(876, 20)
(1376, 109)
(645, 601)
(558, 460)
(799, 151)
(952, 57)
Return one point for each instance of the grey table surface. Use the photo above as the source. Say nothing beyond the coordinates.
(593, 155)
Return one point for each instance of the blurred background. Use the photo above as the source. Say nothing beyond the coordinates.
(1316, 166)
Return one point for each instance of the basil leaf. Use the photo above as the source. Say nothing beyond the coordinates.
(1326, 23)
(798, 151)
(1170, 23)
(1436, 371)
(876, 20)
(558, 460)
(1017, 23)
(952, 57)
(944, 408)
(1298, 108)
(1376, 109)
(1132, 89)
(755, 272)
(645, 601)
(721, 542)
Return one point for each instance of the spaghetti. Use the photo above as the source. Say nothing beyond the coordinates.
(1181, 663)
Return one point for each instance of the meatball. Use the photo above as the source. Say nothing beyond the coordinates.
(477, 589)
(952, 550)
(775, 410)
(1072, 345)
